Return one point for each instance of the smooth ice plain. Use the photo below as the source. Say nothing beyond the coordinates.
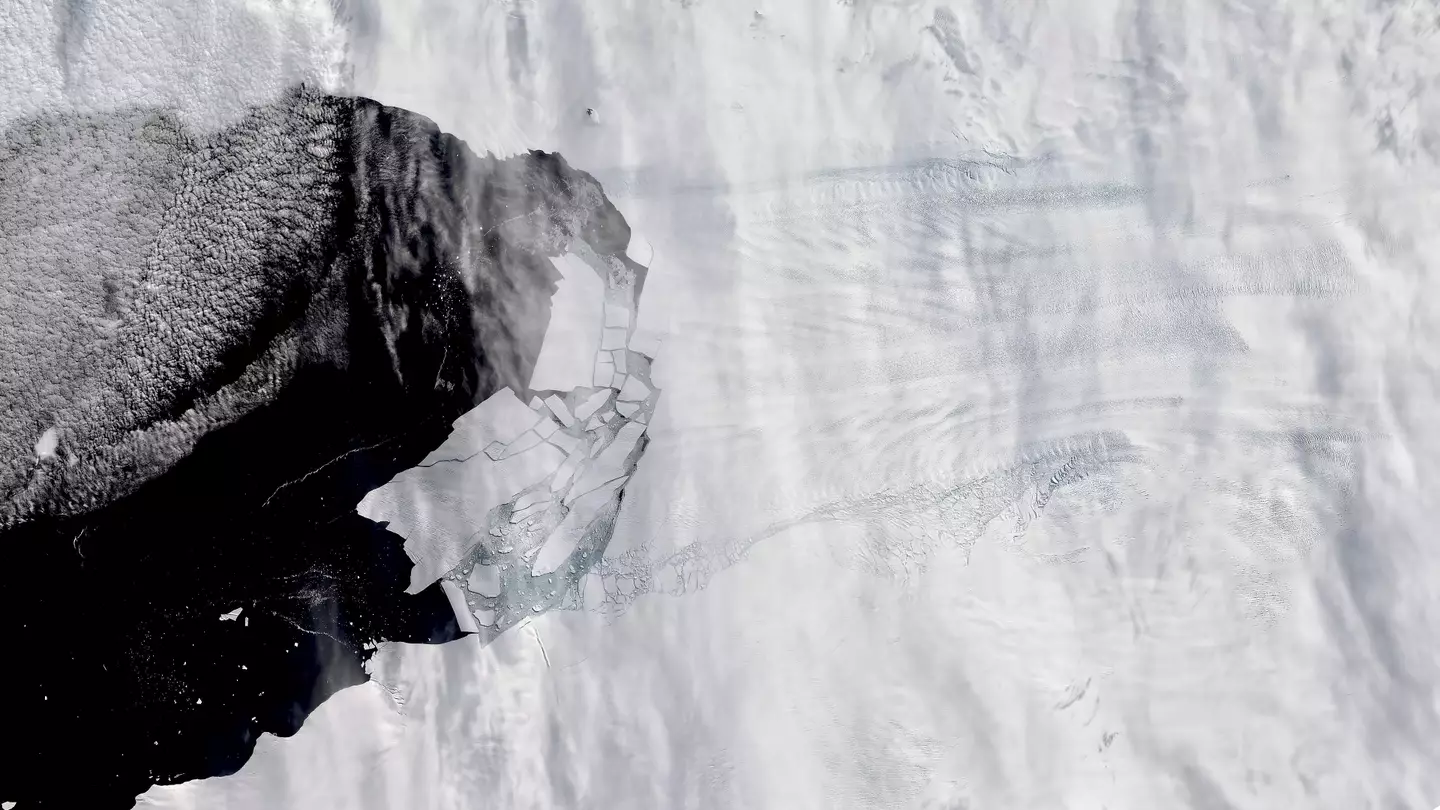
(1048, 401)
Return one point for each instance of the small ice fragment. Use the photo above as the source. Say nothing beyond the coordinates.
(616, 317)
(609, 416)
(535, 403)
(47, 445)
(231, 616)
(485, 617)
(613, 339)
(458, 605)
(593, 403)
(634, 390)
(618, 382)
(557, 406)
(484, 580)
(595, 422)
(546, 427)
(557, 549)
(627, 409)
(626, 585)
(646, 343)
(604, 374)
(619, 357)
(495, 450)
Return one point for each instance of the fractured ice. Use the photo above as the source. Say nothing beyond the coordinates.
(511, 513)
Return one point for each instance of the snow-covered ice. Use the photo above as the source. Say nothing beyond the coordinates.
(572, 339)
(1069, 366)
(442, 506)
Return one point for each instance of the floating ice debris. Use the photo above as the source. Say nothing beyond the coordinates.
(441, 508)
(531, 498)
(646, 343)
(533, 509)
(634, 390)
(557, 406)
(457, 603)
(610, 463)
(616, 317)
(593, 403)
(604, 373)
(613, 339)
(484, 580)
(592, 591)
(567, 470)
(231, 616)
(565, 441)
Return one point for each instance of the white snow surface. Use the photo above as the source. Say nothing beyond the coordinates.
(1048, 413)
(577, 316)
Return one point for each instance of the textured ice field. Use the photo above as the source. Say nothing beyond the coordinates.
(1047, 417)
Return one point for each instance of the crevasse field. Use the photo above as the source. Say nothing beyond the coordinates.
(1048, 410)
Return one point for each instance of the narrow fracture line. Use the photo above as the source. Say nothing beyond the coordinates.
(543, 654)
(450, 460)
(302, 478)
(282, 617)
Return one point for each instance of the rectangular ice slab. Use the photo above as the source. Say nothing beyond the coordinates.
(457, 604)
(616, 317)
(484, 580)
(614, 339)
(567, 470)
(557, 406)
(592, 403)
(634, 390)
